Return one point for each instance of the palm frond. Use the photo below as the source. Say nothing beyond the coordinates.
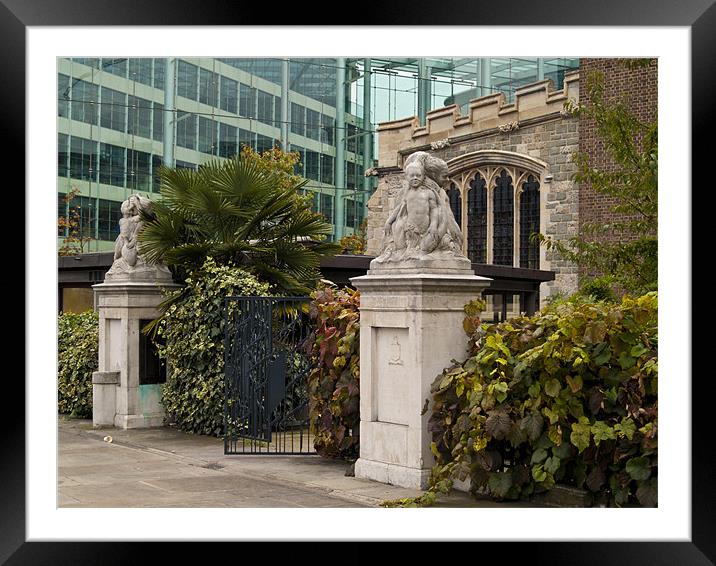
(192, 255)
(161, 233)
(241, 180)
(304, 223)
(236, 211)
(285, 282)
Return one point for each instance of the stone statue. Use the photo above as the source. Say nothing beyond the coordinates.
(128, 264)
(421, 232)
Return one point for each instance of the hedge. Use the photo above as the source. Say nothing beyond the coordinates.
(77, 359)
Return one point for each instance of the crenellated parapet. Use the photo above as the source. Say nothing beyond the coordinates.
(531, 104)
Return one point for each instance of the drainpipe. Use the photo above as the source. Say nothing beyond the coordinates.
(169, 114)
(284, 103)
(340, 176)
(368, 136)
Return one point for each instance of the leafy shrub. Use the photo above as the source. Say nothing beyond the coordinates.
(355, 243)
(193, 330)
(569, 396)
(333, 383)
(599, 289)
(77, 353)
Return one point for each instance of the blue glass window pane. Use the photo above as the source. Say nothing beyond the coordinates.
(187, 80)
(114, 110)
(84, 98)
(208, 87)
(227, 140)
(229, 100)
(63, 96)
(112, 165)
(207, 136)
(140, 70)
(139, 119)
(159, 65)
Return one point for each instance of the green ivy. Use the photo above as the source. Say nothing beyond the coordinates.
(568, 396)
(77, 359)
(193, 331)
(333, 383)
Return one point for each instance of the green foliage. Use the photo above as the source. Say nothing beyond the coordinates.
(333, 383)
(193, 331)
(598, 288)
(245, 211)
(631, 258)
(355, 243)
(427, 499)
(281, 164)
(77, 353)
(77, 234)
(569, 396)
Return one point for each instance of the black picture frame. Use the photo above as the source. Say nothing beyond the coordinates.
(698, 15)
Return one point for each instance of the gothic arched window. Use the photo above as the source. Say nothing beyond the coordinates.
(477, 220)
(529, 223)
(503, 218)
(455, 203)
(500, 194)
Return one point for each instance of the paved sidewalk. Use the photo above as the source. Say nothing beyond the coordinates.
(163, 467)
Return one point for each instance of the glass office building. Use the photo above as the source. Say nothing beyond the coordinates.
(118, 121)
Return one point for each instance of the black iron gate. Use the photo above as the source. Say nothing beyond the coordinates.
(266, 376)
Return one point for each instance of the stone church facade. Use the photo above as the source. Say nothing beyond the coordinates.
(511, 170)
(511, 175)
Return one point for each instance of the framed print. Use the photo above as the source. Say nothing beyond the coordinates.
(36, 34)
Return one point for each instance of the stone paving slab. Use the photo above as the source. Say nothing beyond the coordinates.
(164, 467)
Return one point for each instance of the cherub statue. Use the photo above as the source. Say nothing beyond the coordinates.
(422, 225)
(437, 172)
(127, 261)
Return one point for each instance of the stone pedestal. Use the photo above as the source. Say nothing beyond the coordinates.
(120, 395)
(411, 329)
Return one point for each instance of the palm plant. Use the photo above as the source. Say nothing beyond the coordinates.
(239, 213)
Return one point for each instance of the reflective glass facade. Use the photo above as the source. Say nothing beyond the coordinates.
(112, 134)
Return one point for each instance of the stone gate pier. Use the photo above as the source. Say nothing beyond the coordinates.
(126, 389)
(411, 315)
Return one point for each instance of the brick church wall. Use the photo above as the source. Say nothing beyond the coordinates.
(638, 88)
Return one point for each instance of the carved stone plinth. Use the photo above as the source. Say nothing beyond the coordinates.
(430, 264)
(411, 329)
(119, 396)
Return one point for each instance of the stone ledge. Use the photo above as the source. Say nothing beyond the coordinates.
(564, 496)
(559, 496)
(134, 286)
(105, 378)
(449, 283)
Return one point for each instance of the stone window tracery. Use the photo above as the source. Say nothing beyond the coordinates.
(477, 220)
(501, 195)
(455, 202)
(503, 220)
(529, 223)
